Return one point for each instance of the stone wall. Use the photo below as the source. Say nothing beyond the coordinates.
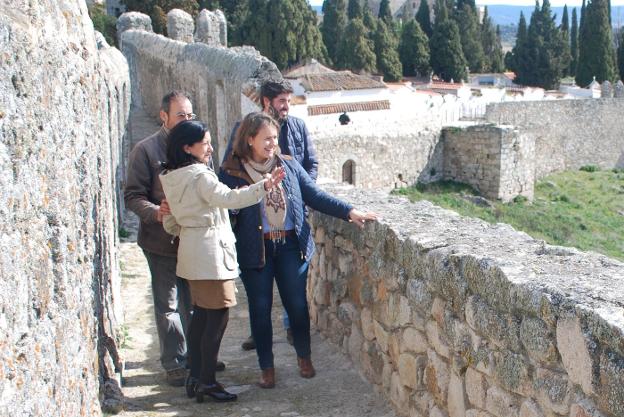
(568, 133)
(63, 111)
(216, 77)
(498, 161)
(453, 317)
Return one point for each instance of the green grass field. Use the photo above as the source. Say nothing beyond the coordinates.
(583, 209)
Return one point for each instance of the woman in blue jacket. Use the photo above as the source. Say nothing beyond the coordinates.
(273, 239)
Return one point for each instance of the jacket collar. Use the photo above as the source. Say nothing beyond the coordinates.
(232, 165)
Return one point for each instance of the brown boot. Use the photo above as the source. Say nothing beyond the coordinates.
(267, 378)
(306, 370)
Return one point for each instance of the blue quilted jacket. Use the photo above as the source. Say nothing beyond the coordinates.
(300, 191)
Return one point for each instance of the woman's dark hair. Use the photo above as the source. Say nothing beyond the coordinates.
(184, 133)
(249, 127)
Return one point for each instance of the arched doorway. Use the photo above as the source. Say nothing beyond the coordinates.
(348, 172)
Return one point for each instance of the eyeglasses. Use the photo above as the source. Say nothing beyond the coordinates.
(187, 116)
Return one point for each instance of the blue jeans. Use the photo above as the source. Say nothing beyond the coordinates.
(284, 263)
(172, 308)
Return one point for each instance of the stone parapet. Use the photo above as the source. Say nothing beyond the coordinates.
(451, 316)
(180, 25)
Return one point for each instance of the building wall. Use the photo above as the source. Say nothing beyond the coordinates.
(451, 316)
(214, 76)
(568, 133)
(63, 113)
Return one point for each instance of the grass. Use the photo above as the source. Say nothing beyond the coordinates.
(583, 209)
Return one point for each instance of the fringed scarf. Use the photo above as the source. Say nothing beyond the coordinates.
(275, 199)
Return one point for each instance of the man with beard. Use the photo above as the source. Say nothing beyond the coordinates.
(294, 140)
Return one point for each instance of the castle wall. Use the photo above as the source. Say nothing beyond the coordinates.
(63, 112)
(568, 133)
(216, 77)
(450, 316)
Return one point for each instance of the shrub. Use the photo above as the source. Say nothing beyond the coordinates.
(103, 23)
(589, 168)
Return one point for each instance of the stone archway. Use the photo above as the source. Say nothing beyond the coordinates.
(348, 172)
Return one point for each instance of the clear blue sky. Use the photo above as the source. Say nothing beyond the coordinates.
(554, 3)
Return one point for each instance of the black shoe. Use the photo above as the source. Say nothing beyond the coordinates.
(214, 391)
(220, 366)
(190, 384)
(289, 336)
(249, 343)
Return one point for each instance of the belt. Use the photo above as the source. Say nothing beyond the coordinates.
(278, 234)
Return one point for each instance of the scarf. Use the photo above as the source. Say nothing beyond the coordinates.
(275, 199)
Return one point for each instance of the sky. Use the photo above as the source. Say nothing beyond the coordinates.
(553, 3)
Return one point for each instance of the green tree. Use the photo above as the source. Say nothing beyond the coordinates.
(103, 23)
(471, 37)
(596, 53)
(414, 49)
(564, 29)
(385, 13)
(620, 54)
(423, 17)
(333, 27)
(573, 44)
(497, 61)
(386, 49)
(354, 9)
(157, 10)
(254, 28)
(519, 60)
(358, 50)
(447, 58)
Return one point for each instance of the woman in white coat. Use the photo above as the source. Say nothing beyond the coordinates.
(199, 206)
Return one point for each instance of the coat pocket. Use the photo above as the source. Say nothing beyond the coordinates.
(229, 255)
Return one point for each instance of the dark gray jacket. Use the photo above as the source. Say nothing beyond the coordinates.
(143, 193)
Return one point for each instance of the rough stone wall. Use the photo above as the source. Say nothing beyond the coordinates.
(453, 317)
(63, 111)
(497, 161)
(568, 133)
(214, 76)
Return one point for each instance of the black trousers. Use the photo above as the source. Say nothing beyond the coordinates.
(204, 340)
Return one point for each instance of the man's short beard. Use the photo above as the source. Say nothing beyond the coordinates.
(276, 115)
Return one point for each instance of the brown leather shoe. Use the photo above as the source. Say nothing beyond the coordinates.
(267, 378)
(306, 370)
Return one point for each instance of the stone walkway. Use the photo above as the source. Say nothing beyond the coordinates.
(337, 389)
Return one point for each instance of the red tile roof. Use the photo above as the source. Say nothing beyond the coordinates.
(343, 80)
(348, 107)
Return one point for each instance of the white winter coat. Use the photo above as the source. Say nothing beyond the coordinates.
(199, 204)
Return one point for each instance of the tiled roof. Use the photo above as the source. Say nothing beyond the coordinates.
(343, 80)
(314, 67)
(348, 107)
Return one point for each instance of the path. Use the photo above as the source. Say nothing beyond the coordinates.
(337, 389)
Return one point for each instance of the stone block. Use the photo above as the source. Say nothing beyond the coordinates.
(584, 408)
(413, 341)
(477, 413)
(501, 403)
(212, 30)
(530, 409)
(419, 296)
(502, 329)
(381, 335)
(435, 339)
(538, 340)
(476, 387)
(513, 372)
(394, 349)
(398, 394)
(368, 325)
(456, 396)
(437, 310)
(347, 313)
(577, 353)
(612, 383)
(355, 343)
(437, 412)
(437, 378)
(180, 25)
(133, 20)
(552, 390)
(411, 370)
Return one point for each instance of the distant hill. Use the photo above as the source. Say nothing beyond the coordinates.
(509, 15)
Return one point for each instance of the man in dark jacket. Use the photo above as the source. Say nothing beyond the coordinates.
(294, 140)
(143, 194)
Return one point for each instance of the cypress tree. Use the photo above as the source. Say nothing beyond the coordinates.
(354, 9)
(414, 49)
(358, 50)
(596, 54)
(447, 58)
(423, 18)
(254, 27)
(497, 63)
(519, 55)
(385, 13)
(489, 41)
(369, 19)
(574, 52)
(564, 28)
(386, 49)
(620, 55)
(471, 37)
(333, 27)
